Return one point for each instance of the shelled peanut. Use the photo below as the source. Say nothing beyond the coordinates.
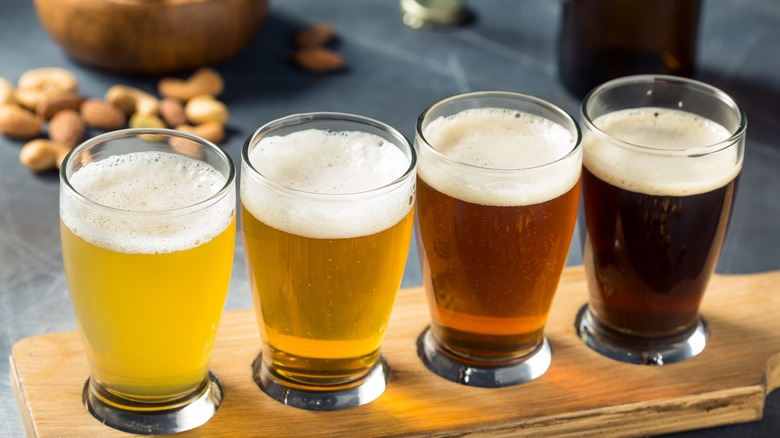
(46, 102)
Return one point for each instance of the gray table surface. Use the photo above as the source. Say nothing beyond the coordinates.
(394, 73)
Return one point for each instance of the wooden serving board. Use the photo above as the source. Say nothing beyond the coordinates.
(582, 394)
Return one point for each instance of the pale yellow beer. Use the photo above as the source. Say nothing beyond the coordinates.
(147, 285)
(325, 258)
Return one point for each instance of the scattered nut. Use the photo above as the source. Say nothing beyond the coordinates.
(203, 81)
(132, 100)
(51, 105)
(50, 95)
(204, 108)
(36, 85)
(172, 112)
(318, 60)
(316, 35)
(41, 154)
(6, 91)
(66, 128)
(48, 78)
(141, 120)
(100, 114)
(212, 131)
(17, 122)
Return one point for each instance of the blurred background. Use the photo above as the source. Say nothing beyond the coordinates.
(392, 71)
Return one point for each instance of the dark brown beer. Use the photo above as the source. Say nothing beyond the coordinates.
(492, 271)
(605, 39)
(656, 218)
(649, 257)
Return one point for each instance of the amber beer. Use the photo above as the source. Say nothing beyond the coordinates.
(327, 221)
(495, 227)
(655, 228)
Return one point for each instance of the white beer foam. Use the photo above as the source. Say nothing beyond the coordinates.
(148, 182)
(656, 174)
(497, 138)
(327, 163)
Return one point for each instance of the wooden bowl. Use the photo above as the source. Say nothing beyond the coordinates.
(152, 36)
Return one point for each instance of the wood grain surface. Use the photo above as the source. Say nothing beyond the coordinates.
(582, 394)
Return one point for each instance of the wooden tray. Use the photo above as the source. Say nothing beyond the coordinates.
(582, 394)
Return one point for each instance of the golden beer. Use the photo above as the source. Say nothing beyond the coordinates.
(148, 237)
(148, 321)
(324, 303)
(327, 216)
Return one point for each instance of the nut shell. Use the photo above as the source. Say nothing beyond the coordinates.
(67, 128)
(17, 122)
(100, 114)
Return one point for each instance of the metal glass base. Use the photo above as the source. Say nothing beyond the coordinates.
(641, 351)
(294, 394)
(155, 418)
(444, 365)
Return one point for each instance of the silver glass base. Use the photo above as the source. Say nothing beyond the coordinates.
(155, 418)
(368, 389)
(641, 351)
(488, 375)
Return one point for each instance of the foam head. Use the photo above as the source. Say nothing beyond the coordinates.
(326, 184)
(138, 194)
(502, 157)
(655, 172)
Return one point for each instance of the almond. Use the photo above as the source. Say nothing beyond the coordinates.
(318, 60)
(316, 35)
(17, 122)
(66, 128)
(100, 114)
(172, 112)
(49, 106)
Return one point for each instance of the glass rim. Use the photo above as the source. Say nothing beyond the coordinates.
(577, 143)
(302, 119)
(134, 132)
(735, 135)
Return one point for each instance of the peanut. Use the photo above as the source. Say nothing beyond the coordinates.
(172, 112)
(66, 128)
(6, 91)
(318, 60)
(100, 114)
(17, 122)
(63, 100)
(204, 108)
(140, 120)
(132, 100)
(203, 81)
(316, 35)
(41, 154)
(212, 131)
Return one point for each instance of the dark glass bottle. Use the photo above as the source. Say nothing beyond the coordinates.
(605, 39)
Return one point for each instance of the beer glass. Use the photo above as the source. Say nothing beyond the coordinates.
(498, 191)
(662, 155)
(327, 215)
(147, 224)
